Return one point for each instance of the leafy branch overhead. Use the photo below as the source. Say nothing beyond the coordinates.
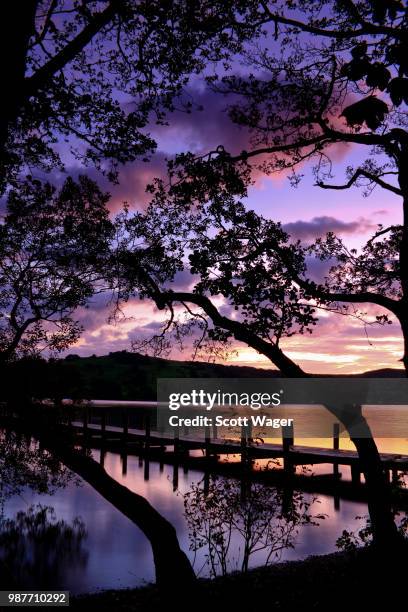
(370, 111)
(377, 76)
(94, 75)
(335, 77)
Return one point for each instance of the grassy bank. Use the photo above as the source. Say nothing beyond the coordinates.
(327, 582)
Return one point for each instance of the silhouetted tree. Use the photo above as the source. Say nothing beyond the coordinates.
(320, 74)
(94, 73)
(171, 563)
(324, 74)
(231, 528)
(248, 280)
(52, 248)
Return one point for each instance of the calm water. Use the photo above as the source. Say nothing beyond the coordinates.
(114, 553)
(388, 424)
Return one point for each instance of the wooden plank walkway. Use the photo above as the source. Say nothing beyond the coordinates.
(295, 454)
(150, 445)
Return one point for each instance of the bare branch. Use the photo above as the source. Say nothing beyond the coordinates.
(48, 17)
(361, 172)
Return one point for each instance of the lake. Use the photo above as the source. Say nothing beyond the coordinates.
(112, 552)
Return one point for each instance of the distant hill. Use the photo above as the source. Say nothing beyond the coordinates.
(122, 375)
(383, 373)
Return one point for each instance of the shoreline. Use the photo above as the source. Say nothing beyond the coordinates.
(323, 582)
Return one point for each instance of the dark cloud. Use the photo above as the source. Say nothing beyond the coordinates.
(201, 130)
(208, 125)
(95, 314)
(319, 226)
(198, 131)
(205, 127)
(183, 281)
(133, 180)
(317, 270)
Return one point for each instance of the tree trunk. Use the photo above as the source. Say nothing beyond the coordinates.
(382, 516)
(384, 529)
(17, 27)
(173, 569)
(403, 320)
(403, 250)
(385, 532)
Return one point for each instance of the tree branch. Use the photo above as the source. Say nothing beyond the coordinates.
(382, 232)
(48, 17)
(329, 136)
(6, 353)
(351, 298)
(300, 144)
(366, 174)
(320, 293)
(365, 138)
(240, 331)
(71, 50)
(366, 27)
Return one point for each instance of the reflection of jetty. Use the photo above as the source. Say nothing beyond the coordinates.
(90, 421)
(129, 428)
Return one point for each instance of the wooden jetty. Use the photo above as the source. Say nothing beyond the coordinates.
(90, 424)
(93, 424)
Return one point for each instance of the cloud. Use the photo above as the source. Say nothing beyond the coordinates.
(133, 180)
(199, 131)
(205, 126)
(183, 281)
(317, 269)
(319, 226)
(209, 124)
(339, 343)
(381, 212)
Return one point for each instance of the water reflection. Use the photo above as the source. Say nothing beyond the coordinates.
(119, 555)
(24, 464)
(258, 519)
(36, 549)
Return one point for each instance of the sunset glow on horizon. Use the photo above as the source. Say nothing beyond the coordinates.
(339, 344)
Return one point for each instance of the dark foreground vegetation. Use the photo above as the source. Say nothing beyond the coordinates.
(327, 582)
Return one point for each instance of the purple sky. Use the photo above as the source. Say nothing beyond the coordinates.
(339, 344)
